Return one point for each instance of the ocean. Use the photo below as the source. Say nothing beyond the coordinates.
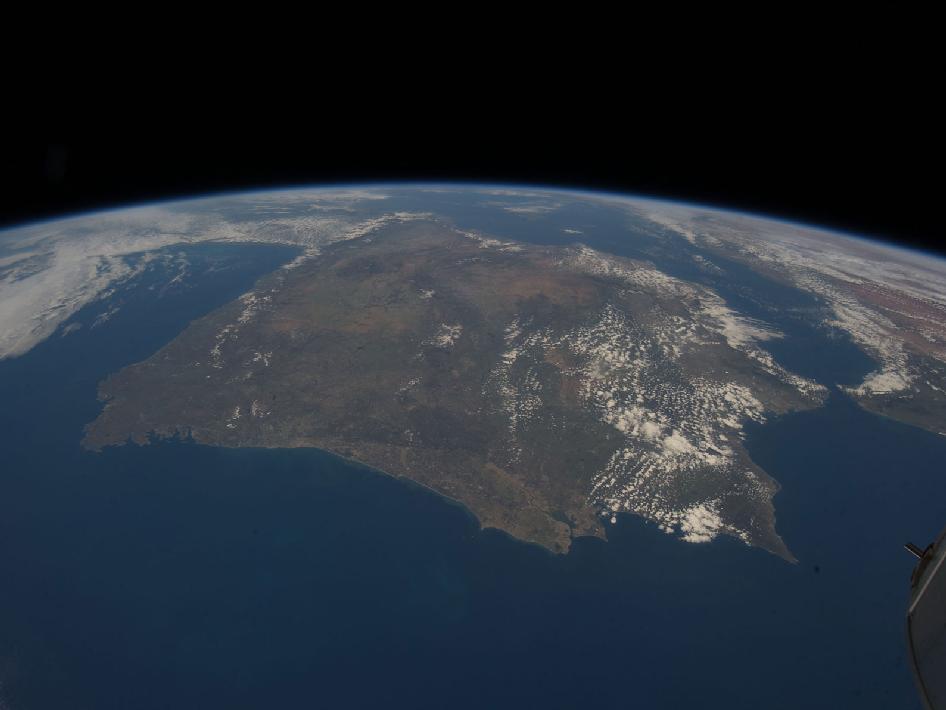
(179, 575)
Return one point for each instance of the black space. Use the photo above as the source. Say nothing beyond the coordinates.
(871, 165)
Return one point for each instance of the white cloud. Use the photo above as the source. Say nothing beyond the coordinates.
(81, 258)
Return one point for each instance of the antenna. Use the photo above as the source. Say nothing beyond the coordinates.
(926, 622)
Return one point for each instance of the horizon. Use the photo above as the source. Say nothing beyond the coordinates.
(875, 239)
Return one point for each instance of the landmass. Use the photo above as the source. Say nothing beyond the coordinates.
(890, 302)
(547, 389)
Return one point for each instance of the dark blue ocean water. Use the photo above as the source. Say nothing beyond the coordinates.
(184, 576)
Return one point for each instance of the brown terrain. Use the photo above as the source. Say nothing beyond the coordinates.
(394, 350)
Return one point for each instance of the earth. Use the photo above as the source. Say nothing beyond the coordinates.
(565, 369)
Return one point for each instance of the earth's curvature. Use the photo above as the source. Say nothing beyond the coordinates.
(549, 359)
